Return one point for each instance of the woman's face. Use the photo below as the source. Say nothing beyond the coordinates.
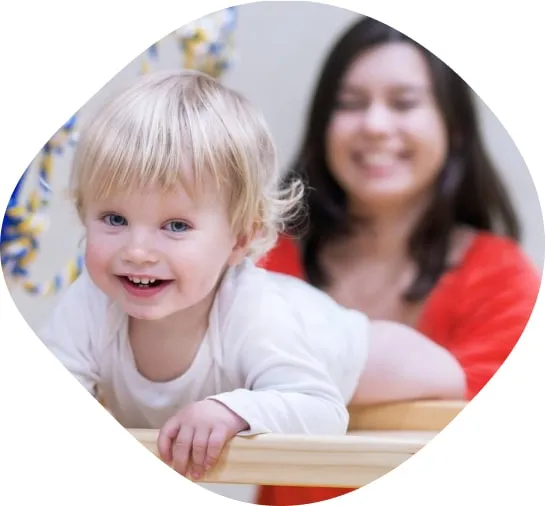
(387, 140)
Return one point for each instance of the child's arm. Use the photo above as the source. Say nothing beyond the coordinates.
(283, 388)
(286, 388)
(68, 333)
(403, 365)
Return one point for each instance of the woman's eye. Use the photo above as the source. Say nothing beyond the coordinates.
(114, 220)
(404, 104)
(177, 226)
(350, 105)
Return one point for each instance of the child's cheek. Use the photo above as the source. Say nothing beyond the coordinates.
(95, 260)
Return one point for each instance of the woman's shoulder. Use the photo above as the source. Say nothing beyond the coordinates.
(490, 292)
(492, 252)
(487, 263)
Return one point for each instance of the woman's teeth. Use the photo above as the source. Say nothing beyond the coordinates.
(377, 160)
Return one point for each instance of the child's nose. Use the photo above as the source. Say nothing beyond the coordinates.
(139, 256)
(140, 250)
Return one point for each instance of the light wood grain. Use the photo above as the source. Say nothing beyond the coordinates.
(419, 415)
(345, 461)
(380, 439)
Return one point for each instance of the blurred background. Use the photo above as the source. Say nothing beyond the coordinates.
(279, 48)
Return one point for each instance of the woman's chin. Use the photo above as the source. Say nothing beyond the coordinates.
(386, 192)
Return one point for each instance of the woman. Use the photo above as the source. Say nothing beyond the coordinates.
(407, 218)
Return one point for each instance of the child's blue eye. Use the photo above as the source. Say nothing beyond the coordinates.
(177, 226)
(114, 220)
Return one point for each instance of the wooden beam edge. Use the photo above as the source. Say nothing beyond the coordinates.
(272, 459)
(418, 415)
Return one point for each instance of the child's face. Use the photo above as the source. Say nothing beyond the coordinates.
(158, 253)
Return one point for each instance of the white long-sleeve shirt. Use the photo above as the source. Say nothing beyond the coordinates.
(278, 352)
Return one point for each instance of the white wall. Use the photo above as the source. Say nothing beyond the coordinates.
(280, 49)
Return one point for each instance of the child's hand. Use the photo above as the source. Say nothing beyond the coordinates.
(192, 440)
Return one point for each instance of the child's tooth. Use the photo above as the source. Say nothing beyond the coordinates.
(141, 281)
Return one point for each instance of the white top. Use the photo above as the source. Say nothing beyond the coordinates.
(278, 352)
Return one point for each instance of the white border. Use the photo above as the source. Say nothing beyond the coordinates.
(60, 446)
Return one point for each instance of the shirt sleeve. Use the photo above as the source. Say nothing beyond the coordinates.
(69, 333)
(285, 387)
(495, 305)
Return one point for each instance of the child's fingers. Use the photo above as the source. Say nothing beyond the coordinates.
(216, 442)
(198, 452)
(166, 438)
(195, 472)
(181, 451)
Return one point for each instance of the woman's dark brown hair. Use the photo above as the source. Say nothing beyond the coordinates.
(468, 188)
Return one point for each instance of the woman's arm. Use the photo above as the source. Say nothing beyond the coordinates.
(403, 364)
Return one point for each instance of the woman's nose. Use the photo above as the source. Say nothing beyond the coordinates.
(377, 120)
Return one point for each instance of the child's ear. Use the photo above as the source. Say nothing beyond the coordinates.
(240, 249)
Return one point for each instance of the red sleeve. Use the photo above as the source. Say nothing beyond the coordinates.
(495, 302)
(284, 258)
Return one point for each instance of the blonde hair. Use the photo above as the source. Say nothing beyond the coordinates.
(185, 127)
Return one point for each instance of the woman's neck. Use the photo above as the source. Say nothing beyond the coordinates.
(386, 232)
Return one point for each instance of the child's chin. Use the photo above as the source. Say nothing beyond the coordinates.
(146, 315)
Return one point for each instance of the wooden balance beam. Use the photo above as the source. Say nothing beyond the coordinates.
(380, 438)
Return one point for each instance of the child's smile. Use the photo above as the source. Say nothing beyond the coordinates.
(142, 286)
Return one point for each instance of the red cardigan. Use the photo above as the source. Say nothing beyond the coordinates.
(477, 311)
